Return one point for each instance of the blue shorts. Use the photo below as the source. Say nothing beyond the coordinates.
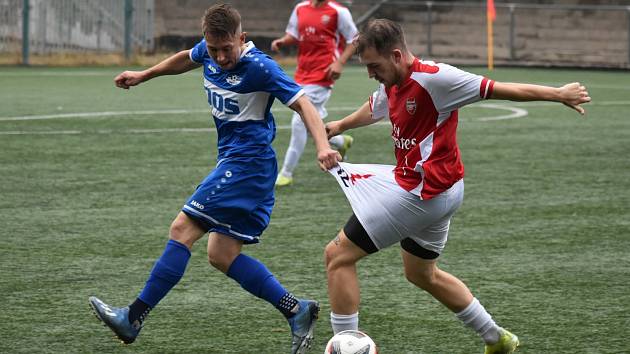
(236, 198)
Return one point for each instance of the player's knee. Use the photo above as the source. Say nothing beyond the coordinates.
(334, 258)
(215, 261)
(423, 278)
(178, 230)
(183, 230)
(219, 260)
(329, 255)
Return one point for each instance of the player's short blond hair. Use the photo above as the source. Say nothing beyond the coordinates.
(221, 21)
(381, 34)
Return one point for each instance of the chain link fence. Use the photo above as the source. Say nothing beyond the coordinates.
(542, 33)
(74, 26)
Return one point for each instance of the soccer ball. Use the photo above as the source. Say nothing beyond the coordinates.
(351, 342)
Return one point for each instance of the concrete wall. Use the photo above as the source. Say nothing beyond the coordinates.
(577, 38)
(542, 37)
(178, 22)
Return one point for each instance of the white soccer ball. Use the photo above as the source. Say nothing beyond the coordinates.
(351, 342)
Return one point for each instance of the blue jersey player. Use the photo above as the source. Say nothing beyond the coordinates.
(233, 203)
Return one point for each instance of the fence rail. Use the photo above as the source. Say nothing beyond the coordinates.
(539, 34)
(61, 26)
(524, 34)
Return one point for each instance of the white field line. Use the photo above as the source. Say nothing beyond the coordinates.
(136, 113)
(352, 68)
(126, 131)
(102, 114)
(511, 106)
(42, 132)
(514, 112)
(35, 73)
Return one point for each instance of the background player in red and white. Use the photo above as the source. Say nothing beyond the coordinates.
(412, 203)
(320, 28)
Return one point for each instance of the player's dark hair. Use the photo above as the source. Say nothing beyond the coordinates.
(221, 21)
(381, 34)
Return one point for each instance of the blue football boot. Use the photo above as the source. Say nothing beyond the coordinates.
(303, 325)
(117, 319)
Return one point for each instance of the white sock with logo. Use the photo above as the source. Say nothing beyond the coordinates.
(476, 317)
(344, 322)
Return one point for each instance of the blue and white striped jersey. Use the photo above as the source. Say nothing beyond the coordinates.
(241, 100)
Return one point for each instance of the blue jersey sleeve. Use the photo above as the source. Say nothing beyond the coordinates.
(199, 51)
(279, 84)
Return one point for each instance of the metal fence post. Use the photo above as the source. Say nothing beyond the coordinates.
(429, 20)
(25, 31)
(150, 19)
(512, 34)
(628, 12)
(128, 24)
(99, 30)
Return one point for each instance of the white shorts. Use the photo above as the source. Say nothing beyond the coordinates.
(390, 214)
(318, 95)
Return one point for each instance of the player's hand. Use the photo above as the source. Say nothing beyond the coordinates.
(328, 158)
(276, 44)
(573, 95)
(333, 129)
(126, 79)
(333, 72)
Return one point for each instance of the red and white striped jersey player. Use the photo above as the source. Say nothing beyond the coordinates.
(412, 203)
(319, 28)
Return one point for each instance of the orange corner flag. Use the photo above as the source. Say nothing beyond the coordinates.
(491, 16)
(492, 13)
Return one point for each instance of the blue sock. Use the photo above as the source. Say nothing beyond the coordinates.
(258, 280)
(166, 272)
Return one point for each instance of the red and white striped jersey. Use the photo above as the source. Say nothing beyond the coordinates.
(318, 31)
(423, 113)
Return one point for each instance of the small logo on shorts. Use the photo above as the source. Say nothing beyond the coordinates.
(411, 105)
(355, 176)
(196, 204)
(343, 175)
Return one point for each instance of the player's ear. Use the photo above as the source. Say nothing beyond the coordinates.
(397, 56)
(243, 37)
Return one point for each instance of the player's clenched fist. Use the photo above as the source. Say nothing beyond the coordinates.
(328, 159)
(573, 95)
(127, 79)
(333, 129)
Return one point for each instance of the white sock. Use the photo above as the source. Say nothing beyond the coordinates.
(476, 317)
(336, 141)
(344, 322)
(296, 146)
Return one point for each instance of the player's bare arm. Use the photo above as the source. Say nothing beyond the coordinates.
(360, 117)
(176, 64)
(572, 95)
(286, 40)
(326, 156)
(334, 70)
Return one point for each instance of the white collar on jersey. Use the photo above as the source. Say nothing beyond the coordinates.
(248, 46)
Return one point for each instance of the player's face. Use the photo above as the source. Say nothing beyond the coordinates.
(226, 52)
(381, 68)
